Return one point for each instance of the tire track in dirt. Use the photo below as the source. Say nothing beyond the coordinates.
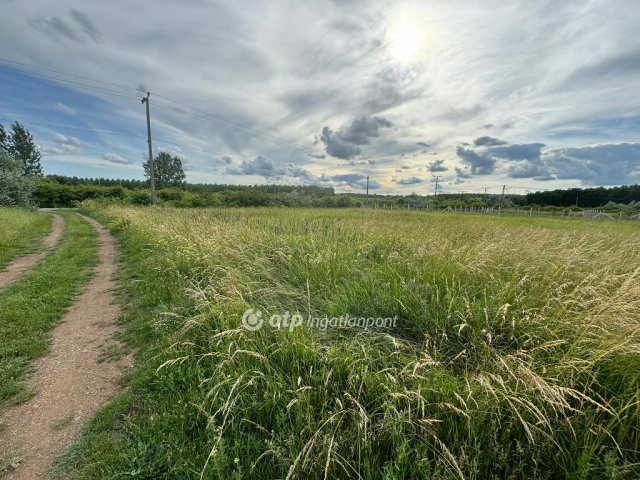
(20, 265)
(69, 382)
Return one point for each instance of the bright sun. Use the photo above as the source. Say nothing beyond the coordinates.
(405, 39)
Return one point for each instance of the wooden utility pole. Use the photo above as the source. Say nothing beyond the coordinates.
(504, 187)
(367, 186)
(152, 170)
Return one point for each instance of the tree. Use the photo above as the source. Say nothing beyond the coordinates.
(4, 141)
(16, 190)
(20, 145)
(168, 170)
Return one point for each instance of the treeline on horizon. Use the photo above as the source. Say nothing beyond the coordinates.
(64, 191)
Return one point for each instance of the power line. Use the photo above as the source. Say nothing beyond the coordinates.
(219, 121)
(123, 134)
(65, 127)
(200, 114)
(79, 85)
(37, 67)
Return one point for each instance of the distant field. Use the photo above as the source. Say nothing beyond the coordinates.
(19, 230)
(516, 352)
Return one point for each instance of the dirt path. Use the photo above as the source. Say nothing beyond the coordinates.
(22, 264)
(69, 382)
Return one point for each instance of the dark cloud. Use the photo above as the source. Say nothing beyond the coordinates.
(336, 147)
(391, 87)
(260, 166)
(436, 166)
(87, 25)
(363, 129)
(54, 27)
(478, 163)
(517, 151)
(226, 159)
(486, 141)
(346, 142)
(409, 181)
(528, 169)
(354, 180)
(117, 159)
(423, 144)
(77, 27)
(318, 156)
(303, 174)
(606, 164)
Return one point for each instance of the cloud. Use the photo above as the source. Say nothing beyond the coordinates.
(517, 151)
(331, 77)
(117, 159)
(87, 25)
(354, 180)
(463, 173)
(529, 169)
(478, 163)
(63, 145)
(605, 164)
(226, 159)
(409, 181)
(64, 108)
(488, 141)
(172, 150)
(296, 171)
(436, 166)
(336, 146)
(346, 142)
(260, 166)
(76, 27)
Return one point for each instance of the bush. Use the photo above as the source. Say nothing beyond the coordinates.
(16, 190)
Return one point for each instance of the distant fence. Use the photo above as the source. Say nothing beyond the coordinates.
(594, 214)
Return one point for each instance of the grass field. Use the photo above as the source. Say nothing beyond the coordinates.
(516, 352)
(20, 231)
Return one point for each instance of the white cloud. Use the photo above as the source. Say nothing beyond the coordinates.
(63, 145)
(64, 108)
(288, 70)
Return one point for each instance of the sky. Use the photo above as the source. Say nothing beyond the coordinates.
(478, 94)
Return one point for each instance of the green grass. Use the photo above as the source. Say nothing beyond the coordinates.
(20, 232)
(30, 307)
(516, 353)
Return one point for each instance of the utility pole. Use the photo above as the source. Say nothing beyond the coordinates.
(504, 187)
(435, 191)
(367, 186)
(152, 170)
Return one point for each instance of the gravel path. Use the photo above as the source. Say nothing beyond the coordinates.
(69, 383)
(22, 264)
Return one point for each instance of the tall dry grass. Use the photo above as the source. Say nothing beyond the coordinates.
(516, 354)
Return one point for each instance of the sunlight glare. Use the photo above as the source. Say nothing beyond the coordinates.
(405, 38)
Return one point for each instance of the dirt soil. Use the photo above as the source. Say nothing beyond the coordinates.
(70, 383)
(22, 264)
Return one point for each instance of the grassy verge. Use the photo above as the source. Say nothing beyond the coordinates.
(515, 355)
(30, 307)
(21, 229)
